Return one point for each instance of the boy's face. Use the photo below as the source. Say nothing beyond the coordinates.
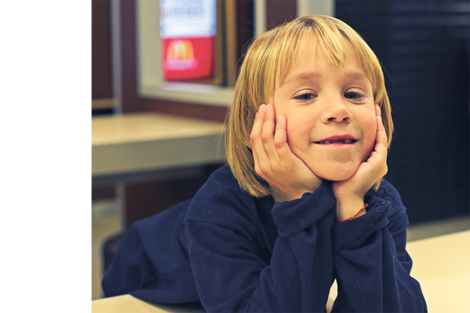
(331, 124)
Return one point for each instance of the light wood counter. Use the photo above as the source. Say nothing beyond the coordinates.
(142, 142)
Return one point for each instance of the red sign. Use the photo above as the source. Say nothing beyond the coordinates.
(187, 29)
(188, 58)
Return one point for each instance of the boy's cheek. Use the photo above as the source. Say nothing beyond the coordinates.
(367, 152)
(294, 140)
(369, 143)
(371, 131)
(299, 128)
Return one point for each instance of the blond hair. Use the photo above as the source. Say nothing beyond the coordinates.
(270, 55)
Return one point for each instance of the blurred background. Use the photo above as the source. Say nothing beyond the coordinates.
(148, 66)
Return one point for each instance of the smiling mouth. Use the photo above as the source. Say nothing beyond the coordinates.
(338, 141)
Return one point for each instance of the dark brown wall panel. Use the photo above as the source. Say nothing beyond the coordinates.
(101, 73)
(130, 100)
(206, 112)
(245, 26)
(101, 193)
(280, 11)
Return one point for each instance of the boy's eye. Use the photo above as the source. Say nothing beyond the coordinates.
(353, 95)
(305, 97)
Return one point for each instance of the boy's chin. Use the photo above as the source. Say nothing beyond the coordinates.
(340, 176)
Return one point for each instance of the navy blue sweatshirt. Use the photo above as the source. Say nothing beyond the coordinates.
(236, 253)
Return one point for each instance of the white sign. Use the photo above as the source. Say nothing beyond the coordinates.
(187, 18)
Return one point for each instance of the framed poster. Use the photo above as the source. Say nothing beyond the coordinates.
(188, 29)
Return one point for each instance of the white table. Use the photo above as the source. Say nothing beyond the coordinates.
(129, 304)
(440, 264)
(442, 267)
(146, 146)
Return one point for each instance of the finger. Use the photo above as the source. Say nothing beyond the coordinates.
(254, 134)
(381, 137)
(257, 144)
(256, 129)
(257, 126)
(280, 140)
(267, 134)
(380, 125)
(378, 165)
(256, 161)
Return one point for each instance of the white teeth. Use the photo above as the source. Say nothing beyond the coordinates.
(327, 142)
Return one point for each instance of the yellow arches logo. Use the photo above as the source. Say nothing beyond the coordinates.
(180, 55)
(180, 49)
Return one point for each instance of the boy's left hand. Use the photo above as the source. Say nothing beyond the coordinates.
(350, 193)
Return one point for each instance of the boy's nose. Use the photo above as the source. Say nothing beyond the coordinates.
(337, 112)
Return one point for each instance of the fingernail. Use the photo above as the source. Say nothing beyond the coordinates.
(262, 107)
(281, 118)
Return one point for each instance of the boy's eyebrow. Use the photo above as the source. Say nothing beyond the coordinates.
(358, 76)
(308, 75)
(301, 76)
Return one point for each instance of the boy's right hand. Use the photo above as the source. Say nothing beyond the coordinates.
(274, 161)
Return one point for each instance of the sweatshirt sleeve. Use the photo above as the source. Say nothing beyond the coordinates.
(372, 267)
(230, 268)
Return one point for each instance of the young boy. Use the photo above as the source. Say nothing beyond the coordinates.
(296, 208)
